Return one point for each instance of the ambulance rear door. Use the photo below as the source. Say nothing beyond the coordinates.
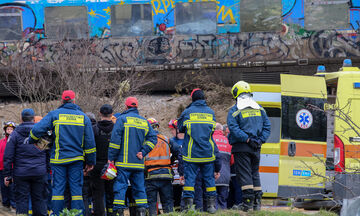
(303, 137)
(269, 97)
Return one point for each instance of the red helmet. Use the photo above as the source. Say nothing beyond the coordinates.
(173, 123)
(153, 122)
(9, 124)
(108, 172)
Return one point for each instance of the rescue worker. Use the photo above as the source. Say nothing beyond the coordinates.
(101, 187)
(7, 193)
(158, 171)
(249, 128)
(74, 143)
(177, 137)
(197, 121)
(27, 164)
(222, 183)
(132, 139)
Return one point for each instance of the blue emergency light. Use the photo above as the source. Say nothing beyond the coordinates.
(356, 85)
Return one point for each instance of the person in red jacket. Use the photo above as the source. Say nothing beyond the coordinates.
(7, 194)
(222, 183)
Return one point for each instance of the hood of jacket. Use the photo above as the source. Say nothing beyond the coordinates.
(198, 103)
(131, 110)
(105, 125)
(70, 106)
(24, 128)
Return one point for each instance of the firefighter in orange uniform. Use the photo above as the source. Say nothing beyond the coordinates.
(159, 173)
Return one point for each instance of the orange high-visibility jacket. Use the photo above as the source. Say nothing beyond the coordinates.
(158, 162)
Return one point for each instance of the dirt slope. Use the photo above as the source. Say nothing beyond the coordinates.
(161, 107)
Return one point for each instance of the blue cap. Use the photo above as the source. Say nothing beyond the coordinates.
(321, 68)
(347, 63)
(27, 113)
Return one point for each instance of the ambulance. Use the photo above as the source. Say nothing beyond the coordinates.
(314, 146)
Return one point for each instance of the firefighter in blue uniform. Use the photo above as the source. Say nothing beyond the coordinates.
(249, 128)
(131, 140)
(198, 123)
(74, 139)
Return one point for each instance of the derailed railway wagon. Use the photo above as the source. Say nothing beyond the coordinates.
(255, 41)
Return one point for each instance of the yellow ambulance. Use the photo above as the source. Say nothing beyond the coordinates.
(315, 128)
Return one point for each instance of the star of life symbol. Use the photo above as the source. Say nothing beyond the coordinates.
(304, 119)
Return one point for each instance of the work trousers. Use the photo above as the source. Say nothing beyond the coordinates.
(247, 170)
(190, 173)
(102, 188)
(199, 198)
(235, 193)
(33, 187)
(165, 190)
(73, 174)
(137, 182)
(222, 196)
(7, 193)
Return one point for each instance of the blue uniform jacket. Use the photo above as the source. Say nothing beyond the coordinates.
(244, 124)
(25, 158)
(132, 133)
(74, 136)
(198, 123)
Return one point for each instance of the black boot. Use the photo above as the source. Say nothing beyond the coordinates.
(141, 211)
(188, 202)
(211, 204)
(119, 212)
(248, 201)
(257, 200)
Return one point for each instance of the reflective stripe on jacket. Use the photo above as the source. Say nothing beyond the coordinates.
(74, 137)
(131, 134)
(198, 123)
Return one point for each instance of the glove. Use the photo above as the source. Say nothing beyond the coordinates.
(255, 143)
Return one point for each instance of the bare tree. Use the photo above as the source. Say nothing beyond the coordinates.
(75, 65)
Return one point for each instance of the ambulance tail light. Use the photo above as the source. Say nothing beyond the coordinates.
(339, 155)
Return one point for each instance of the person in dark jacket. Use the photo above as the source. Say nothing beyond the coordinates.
(198, 123)
(249, 128)
(132, 139)
(159, 175)
(101, 187)
(74, 143)
(29, 168)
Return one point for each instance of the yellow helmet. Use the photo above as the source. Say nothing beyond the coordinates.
(239, 88)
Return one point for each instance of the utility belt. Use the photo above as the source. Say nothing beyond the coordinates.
(151, 168)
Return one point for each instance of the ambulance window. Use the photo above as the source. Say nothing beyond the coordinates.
(274, 117)
(300, 122)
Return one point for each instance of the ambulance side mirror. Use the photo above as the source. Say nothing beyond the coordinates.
(292, 149)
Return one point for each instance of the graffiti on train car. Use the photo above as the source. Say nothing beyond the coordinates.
(298, 36)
